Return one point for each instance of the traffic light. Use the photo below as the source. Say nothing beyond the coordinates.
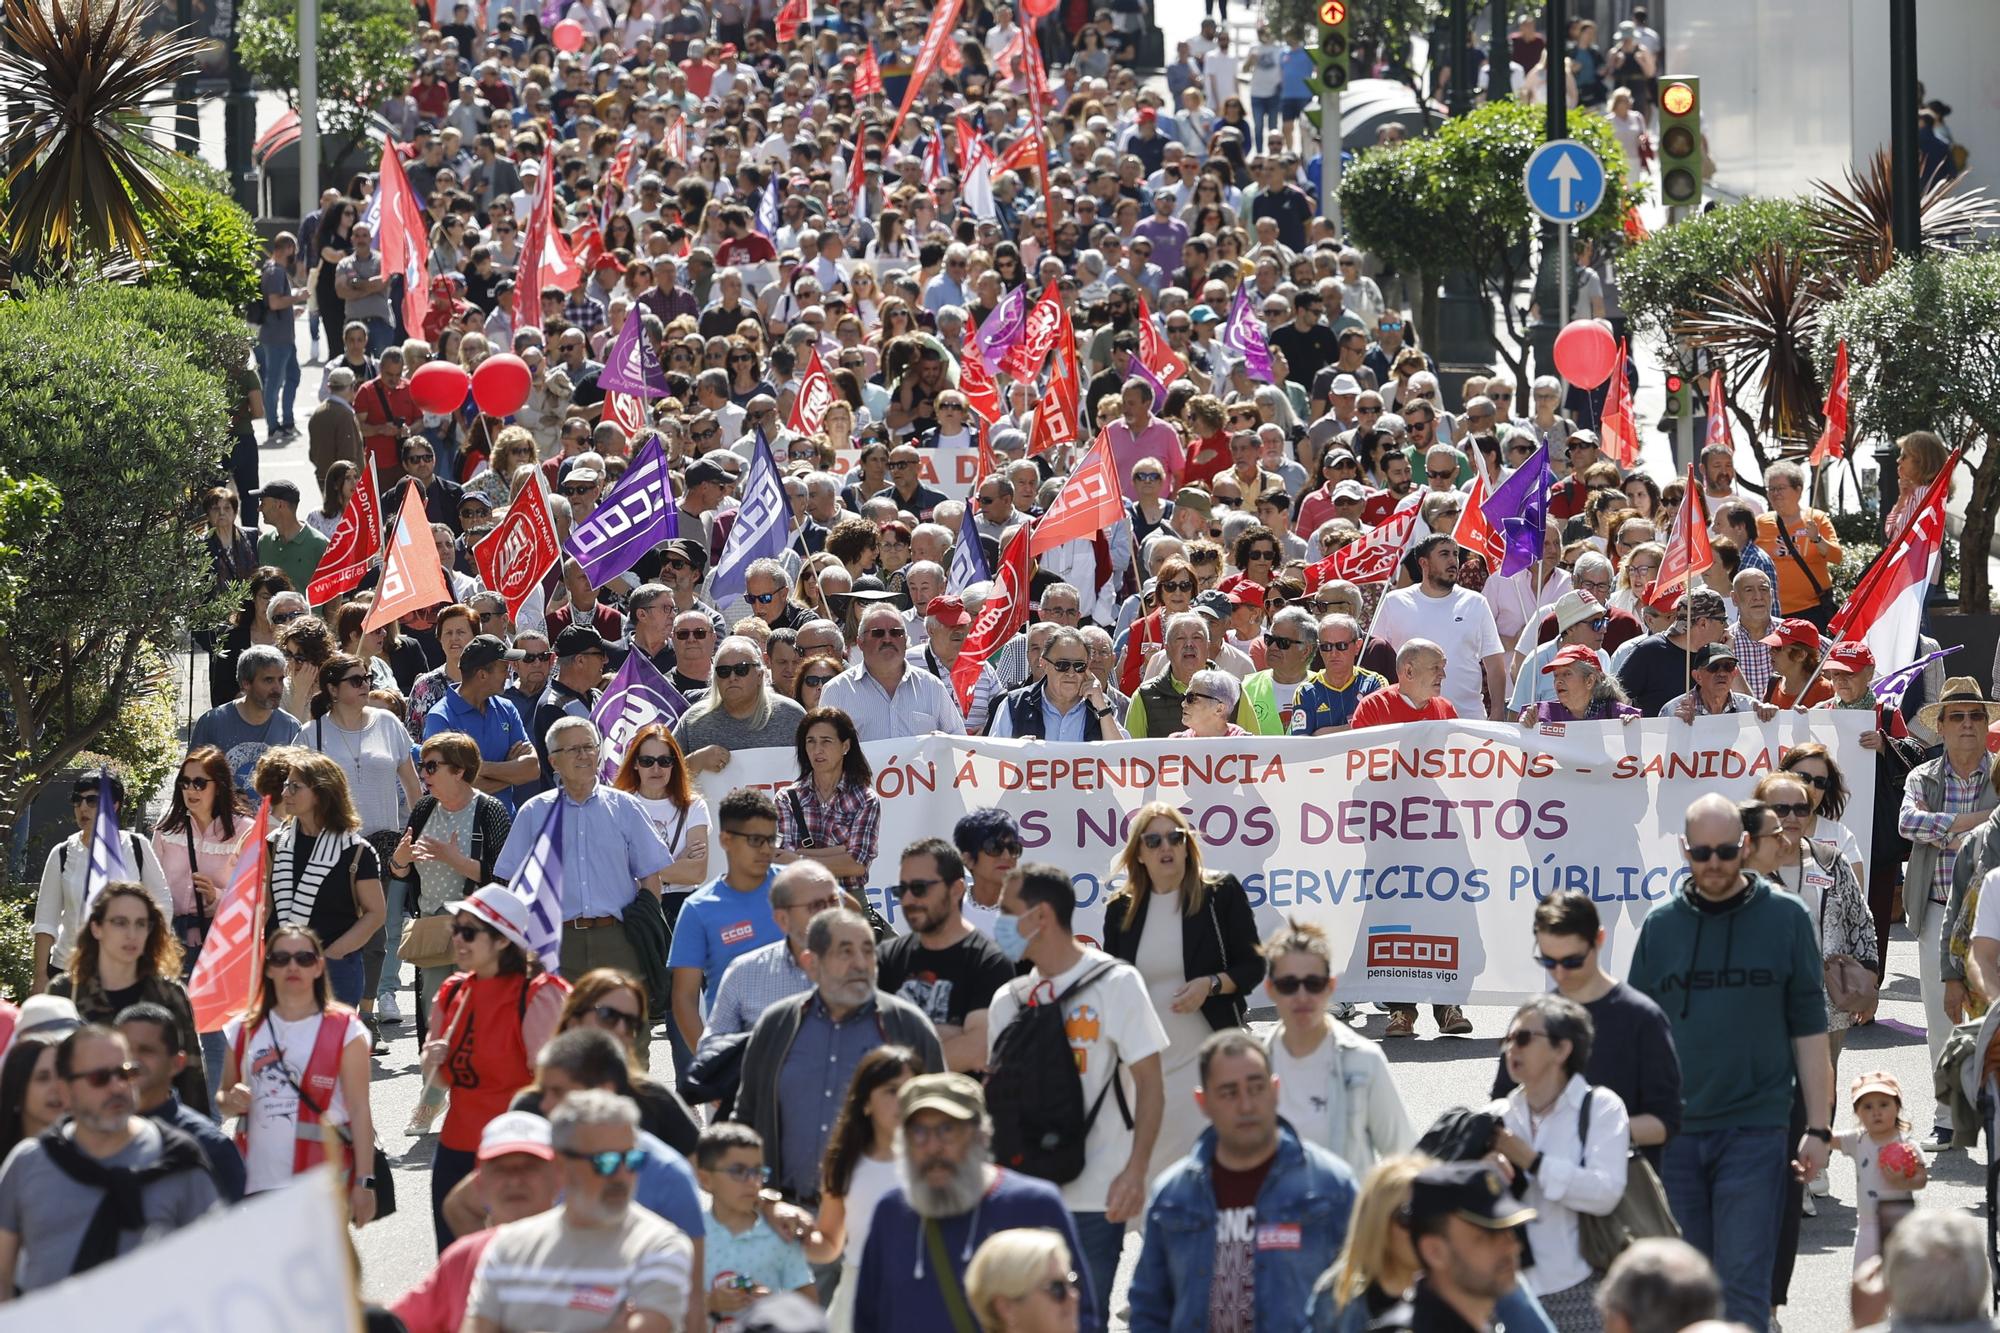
(1680, 143)
(1679, 399)
(1330, 53)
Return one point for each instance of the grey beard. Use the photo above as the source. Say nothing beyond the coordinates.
(958, 1196)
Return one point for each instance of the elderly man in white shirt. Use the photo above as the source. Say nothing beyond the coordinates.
(885, 696)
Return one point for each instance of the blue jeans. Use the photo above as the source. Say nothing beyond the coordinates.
(278, 368)
(1102, 1242)
(1263, 119)
(381, 332)
(1727, 1190)
(389, 968)
(213, 1048)
(348, 977)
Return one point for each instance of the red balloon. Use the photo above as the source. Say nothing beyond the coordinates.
(1039, 8)
(1586, 353)
(439, 386)
(567, 35)
(500, 385)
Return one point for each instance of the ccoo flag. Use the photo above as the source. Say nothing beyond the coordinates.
(539, 883)
(639, 695)
(635, 517)
(632, 366)
(108, 861)
(968, 558)
(763, 525)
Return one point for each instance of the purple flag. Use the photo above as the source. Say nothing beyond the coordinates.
(637, 516)
(632, 366)
(1891, 688)
(1135, 369)
(1244, 335)
(1002, 329)
(968, 559)
(539, 882)
(108, 862)
(1518, 510)
(639, 694)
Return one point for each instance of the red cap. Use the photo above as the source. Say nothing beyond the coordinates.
(1148, 113)
(1853, 657)
(950, 612)
(1570, 656)
(607, 261)
(1242, 591)
(1787, 633)
(728, 49)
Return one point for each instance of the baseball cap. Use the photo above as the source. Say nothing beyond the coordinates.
(1573, 655)
(1854, 657)
(1204, 314)
(500, 909)
(950, 612)
(955, 1095)
(1191, 497)
(516, 1131)
(1215, 604)
(1470, 1191)
(1714, 655)
(1793, 632)
(607, 261)
(1574, 607)
(1581, 439)
(283, 491)
(1880, 1081)
(1350, 490)
(575, 640)
(1241, 591)
(1148, 113)
(484, 651)
(701, 472)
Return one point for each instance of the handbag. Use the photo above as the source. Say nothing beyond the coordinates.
(383, 1180)
(878, 925)
(427, 941)
(1642, 1212)
(1851, 986)
(1824, 606)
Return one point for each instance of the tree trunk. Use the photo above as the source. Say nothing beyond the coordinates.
(1976, 542)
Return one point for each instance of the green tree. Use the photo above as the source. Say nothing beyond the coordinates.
(1677, 268)
(203, 242)
(364, 55)
(1453, 202)
(1923, 346)
(115, 398)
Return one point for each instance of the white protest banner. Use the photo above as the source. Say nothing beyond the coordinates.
(1422, 849)
(278, 1260)
(949, 470)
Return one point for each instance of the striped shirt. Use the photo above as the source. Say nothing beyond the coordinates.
(1961, 797)
(543, 1275)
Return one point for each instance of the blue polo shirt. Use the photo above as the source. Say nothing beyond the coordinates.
(496, 728)
(718, 924)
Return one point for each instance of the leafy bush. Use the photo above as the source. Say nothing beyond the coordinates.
(1672, 269)
(204, 243)
(364, 54)
(17, 940)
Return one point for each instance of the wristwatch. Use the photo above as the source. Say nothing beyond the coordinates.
(1823, 1135)
(1215, 983)
(1105, 711)
(367, 1183)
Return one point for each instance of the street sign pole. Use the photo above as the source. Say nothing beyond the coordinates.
(1329, 162)
(1562, 243)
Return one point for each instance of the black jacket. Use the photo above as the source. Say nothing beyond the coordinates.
(1222, 937)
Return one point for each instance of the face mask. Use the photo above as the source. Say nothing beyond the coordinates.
(1007, 934)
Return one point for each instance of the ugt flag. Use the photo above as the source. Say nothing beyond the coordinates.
(639, 695)
(763, 525)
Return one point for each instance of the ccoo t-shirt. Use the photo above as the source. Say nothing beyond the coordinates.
(718, 925)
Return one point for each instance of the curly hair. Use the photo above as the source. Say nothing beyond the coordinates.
(160, 958)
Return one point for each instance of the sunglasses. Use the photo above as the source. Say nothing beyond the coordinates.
(1068, 666)
(689, 635)
(1062, 1290)
(608, 1164)
(286, 619)
(1340, 647)
(735, 670)
(302, 958)
(1816, 783)
(1791, 811)
(1722, 851)
(1313, 985)
(429, 767)
(881, 632)
(1520, 1038)
(540, 657)
(621, 1017)
(194, 784)
(1001, 847)
(1281, 643)
(653, 761)
(761, 598)
(1172, 838)
(419, 458)
(1177, 585)
(1569, 964)
(814, 682)
(101, 1078)
(469, 932)
(913, 888)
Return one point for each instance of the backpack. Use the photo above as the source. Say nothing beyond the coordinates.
(131, 839)
(1035, 1095)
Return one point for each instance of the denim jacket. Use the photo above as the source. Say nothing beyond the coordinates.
(1308, 1189)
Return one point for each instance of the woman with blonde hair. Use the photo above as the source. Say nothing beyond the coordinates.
(1024, 1281)
(1193, 937)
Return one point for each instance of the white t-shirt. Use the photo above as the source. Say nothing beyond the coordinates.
(274, 1104)
(1302, 1085)
(1460, 622)
(673, 830)
(1109, 1021)
(1986, 921)
(370, 758)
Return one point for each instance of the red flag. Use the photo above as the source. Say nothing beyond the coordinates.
(621, 164)
(936, 38)
(815, 395)
(1833, 440)
(230, 971)
(867, 73)
(1886, 606)
(1057, 414)
(589, 243)
(1023, 153)
(545, 260)
(857, 167)
(978, 387)
(625, 411)
(1154, 351)
(1088, 503)
(970, 145)
(675, 142)
(403, 236)
(1689, 552)
(1619, 432)
(1718, 414)
(791, 18)
(1374, 558)
(412, 578)
(1634, 225)
(951, 60)
(518, 554)
(1045, 321)
(989, 466)
(357, 541)
(1003, 64)
(1473, 532)
(1006, 610)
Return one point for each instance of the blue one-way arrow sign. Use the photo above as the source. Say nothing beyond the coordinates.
(1565, 181)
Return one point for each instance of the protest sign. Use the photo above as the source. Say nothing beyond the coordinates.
(1422, 849)
(947, 470)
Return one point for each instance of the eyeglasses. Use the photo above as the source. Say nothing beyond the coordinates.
(300, 958)
(1569, 964)
(1068, 666)
(913, 888)
(690, 635)
(193, 784)
(735, 670)
(289, 788)
(755, 841)
(1521, 1038)
(1313, 985)
(620, 1017)
(814, 682)
(1791, 811)
(1171, 838)
(608, 1164)
(574, 749)
(101, 1078)
(1261, 553)
(744, 1172)
(1722, 851)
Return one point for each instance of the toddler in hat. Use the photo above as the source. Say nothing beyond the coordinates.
(1887, 1166)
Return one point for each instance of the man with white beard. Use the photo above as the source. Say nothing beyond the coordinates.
(948, 1181)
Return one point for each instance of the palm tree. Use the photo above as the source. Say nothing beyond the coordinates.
(81, 81)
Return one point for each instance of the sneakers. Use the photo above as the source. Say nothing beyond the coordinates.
(1345, 1012)
(1452, 1022)
(387, 1010)
(376, 1045)
(1820, 1186)
(1402, 1023)
(1940, 1139)
(1807, 1207)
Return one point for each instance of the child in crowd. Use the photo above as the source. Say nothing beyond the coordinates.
(1887, 1165)
(744, 1259)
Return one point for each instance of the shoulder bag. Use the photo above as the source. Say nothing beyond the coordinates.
(1851, 985)
(427, 940)
(1643, 1212)
(1823, 607)
(384, 1180)
(878, 925)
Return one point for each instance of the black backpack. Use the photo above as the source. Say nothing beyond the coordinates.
(1035, 1096)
